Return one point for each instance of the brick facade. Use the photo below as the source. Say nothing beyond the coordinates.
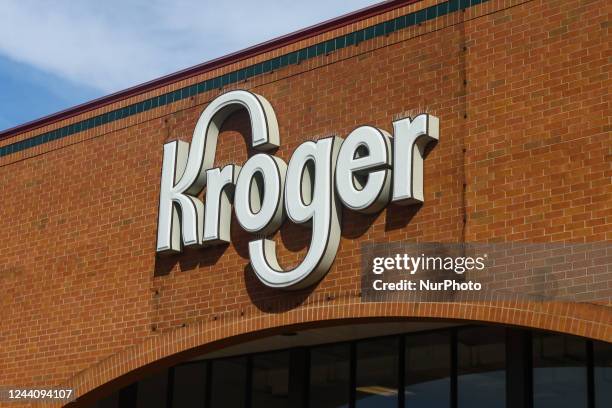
(522, 92)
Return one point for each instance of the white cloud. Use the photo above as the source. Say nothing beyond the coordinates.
(114, 44)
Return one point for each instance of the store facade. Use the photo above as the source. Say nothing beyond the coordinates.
(460, 366)
(206, 239)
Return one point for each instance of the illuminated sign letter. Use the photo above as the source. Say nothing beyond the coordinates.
(363, 175)
(410, 137)
(218, 213)
(258, 201)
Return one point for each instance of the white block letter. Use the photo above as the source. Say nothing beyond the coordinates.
(258, 200)
(218, 211)
(409, 141)
(364, 154)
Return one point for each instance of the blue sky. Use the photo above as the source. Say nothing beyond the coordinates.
(55, 54)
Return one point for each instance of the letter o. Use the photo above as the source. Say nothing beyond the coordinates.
(258, 198)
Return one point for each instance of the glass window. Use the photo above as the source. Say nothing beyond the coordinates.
(330, 376)
(270, 381)
(559, 371)
(427, 370)
(189, 385)
(377, 369)
(602, 353)
(152, 391)
(367, 373)
(112, 401)
(228, 383)
(481, 367)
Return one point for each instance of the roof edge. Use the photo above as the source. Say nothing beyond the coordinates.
(216, 63)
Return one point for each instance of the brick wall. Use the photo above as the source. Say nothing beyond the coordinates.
(521, 90)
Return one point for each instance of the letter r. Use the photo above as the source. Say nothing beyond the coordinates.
(409, 141)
